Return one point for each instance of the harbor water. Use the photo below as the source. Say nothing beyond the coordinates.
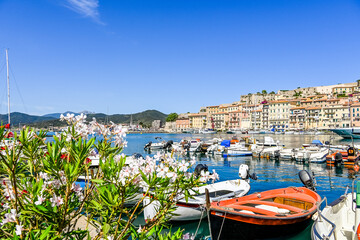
(272, 174)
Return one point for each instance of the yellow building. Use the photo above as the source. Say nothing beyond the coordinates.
(279, 114)
(197, 120)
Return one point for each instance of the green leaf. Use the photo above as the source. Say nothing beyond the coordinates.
(45, 233)
(41, 208)
(106, 228)
(99, 181)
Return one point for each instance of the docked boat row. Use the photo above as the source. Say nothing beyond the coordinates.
(314, 152)
(275, 213)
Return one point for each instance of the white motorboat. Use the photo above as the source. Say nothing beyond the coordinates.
(207, 131)
(161, 144)
(288, 153)
(319, 143)
(312, 154)
(194, 209)
(269, 142)
(195, 145)
(289, 132)
(269, 152)
(237, 149)
(216, 149)
(340, 219)
(237, 152)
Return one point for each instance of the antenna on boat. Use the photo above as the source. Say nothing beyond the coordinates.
(8, 85)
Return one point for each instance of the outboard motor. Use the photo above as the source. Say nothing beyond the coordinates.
(307, 180)
(148, 145)
(244, 173)
(137, 156)
(186, 146)
(338, 158)
(200, 167)
(168, 144)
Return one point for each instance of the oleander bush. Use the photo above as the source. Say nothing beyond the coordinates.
(42, 199)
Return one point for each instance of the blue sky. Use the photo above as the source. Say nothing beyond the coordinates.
(127, 56)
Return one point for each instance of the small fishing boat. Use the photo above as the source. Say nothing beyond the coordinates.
(270, 214)
(347, 158)
(193, 208)
(340, 219)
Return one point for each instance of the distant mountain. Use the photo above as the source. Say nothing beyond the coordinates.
(22, 118)
(146, 118)
(57, 115)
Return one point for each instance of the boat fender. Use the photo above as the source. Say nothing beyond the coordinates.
(307, 180)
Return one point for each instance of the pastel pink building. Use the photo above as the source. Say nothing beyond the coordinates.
(182, 124)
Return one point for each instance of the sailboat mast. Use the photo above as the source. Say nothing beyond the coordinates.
(8, 84)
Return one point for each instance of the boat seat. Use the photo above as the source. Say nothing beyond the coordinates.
(272, 204)
(247, 209)
(277, 210)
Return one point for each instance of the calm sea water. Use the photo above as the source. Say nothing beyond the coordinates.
(331, 182)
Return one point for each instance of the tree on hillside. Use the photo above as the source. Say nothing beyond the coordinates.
(272, 92)
(172, 117)
(264, 92)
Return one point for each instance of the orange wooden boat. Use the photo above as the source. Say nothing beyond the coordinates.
(269, 214)
(347, 158)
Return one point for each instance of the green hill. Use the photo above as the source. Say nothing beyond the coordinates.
(146, 118)
(22, 118)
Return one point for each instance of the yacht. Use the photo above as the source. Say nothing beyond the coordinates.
(347, 132)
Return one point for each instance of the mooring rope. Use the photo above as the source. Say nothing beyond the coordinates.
(197, 229)
(222, 224)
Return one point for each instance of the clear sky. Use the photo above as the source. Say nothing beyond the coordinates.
(126, 56)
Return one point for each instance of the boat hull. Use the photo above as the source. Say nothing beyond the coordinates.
(347, 132)
(233, 229)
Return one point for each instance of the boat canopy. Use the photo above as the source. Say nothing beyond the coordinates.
(317, 142)
(225, 143)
